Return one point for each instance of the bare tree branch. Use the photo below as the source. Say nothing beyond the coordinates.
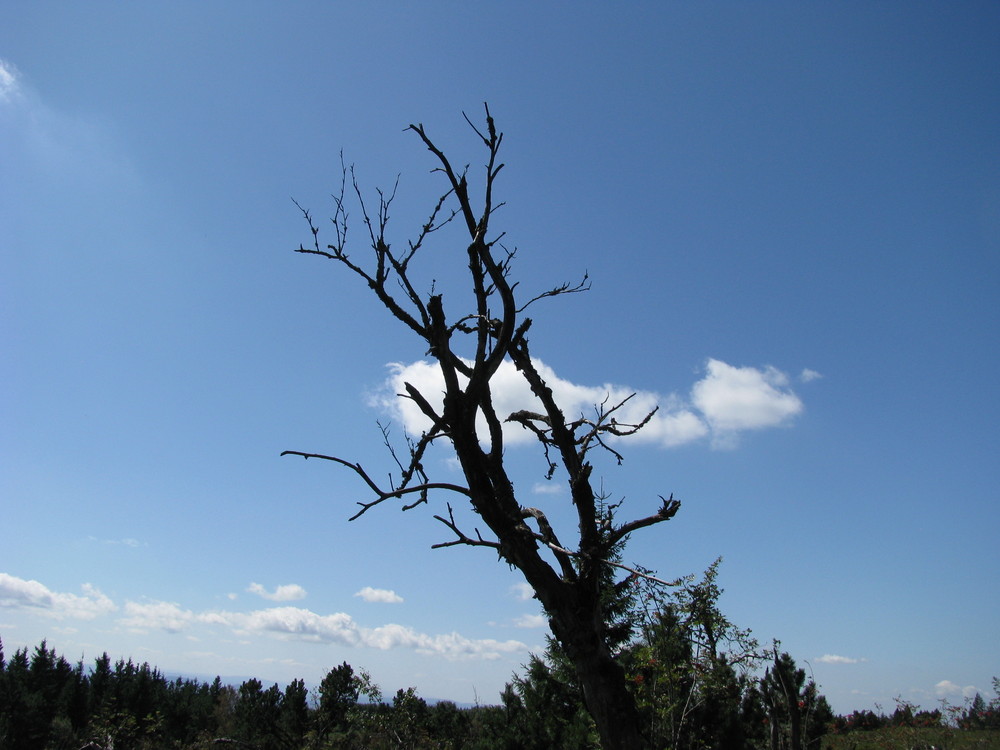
(382, 495)
(548, 536)
(565, 288)
(462, 538)
(571, 586)
(667, 511)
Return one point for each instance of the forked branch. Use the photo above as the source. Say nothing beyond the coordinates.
(461, 537)
(667, 511)
(570, 587)
(383, 495)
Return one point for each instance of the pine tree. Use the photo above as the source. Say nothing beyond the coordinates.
(338, 693)
(797, 714)
(294, 717)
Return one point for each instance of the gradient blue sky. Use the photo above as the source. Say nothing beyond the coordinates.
(791, 216)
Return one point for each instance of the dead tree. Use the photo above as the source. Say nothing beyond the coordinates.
(469, 348)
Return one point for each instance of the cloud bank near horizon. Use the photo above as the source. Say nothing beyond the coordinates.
(947, 688)
(20, 593)
(285, 622)
(726, 402)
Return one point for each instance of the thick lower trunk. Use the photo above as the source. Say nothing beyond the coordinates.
(574, 608)
(796, 728)
(611, 704)
(607, 698)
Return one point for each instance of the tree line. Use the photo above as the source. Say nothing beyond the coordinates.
(974, 714)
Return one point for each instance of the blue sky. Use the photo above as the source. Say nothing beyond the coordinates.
(791, 216)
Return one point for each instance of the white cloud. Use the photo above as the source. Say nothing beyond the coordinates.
(384, 596)
(20, 593)
(834, 659)
(288, 593)
(337, 628)
(303, 624)
(947, 688)
(286, 622)
(548, 488)
(734, 399)
(726, 401)
(672, 425)
(9, 86)
(522, 591)
(155, 615)
(807, 375)
(531, 621)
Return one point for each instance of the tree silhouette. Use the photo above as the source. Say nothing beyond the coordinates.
(469, 348)
(338, 693)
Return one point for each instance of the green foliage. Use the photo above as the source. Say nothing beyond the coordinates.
(256, 715)
(975, 724)
(408, 719)
(338, 694)
(47, 703)
(979, 714)
(797, 715)
(694, 695)
(690, 667)
(293, 720)
(691, 670)
(909, 738)
(546, 708)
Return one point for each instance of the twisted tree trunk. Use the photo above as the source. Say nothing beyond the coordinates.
(494, 333)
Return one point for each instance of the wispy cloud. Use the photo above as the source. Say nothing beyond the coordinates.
(385, 596)
(548, 488)
(725, 402)
(522, 591)
(10, 87)
(45, 150)
(154, 615)
(290, 592)
(285, 622)
(807, 375)
(125, 542)
(303, 624)
(947, 688)
(531, 621)
(20, 593)
(835, 659)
